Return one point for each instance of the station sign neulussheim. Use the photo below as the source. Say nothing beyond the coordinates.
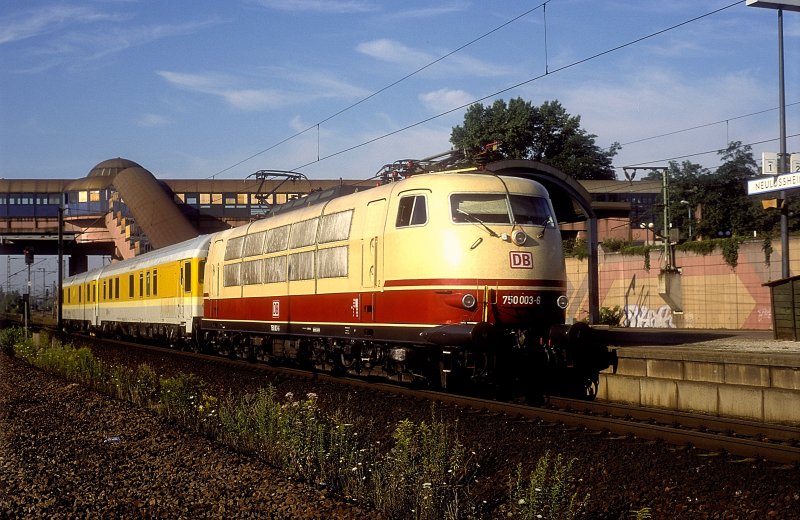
(767, 183)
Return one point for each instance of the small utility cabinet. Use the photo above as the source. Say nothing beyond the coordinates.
(785, 299)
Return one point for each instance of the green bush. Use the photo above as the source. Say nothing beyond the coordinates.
(181, 397)
(11, 338)
(547, 493)
(615, 245)
(611, 316)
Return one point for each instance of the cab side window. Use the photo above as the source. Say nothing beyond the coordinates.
(412, 211)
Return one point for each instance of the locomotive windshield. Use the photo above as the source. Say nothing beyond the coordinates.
(494, 208)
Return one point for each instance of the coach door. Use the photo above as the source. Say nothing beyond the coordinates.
(185, 290)
(371, 251)
(371, 243)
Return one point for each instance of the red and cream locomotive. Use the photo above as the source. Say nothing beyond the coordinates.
(450, 278)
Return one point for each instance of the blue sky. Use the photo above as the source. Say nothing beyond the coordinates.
(208, 88)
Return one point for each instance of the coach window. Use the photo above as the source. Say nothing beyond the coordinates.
(116, 288)
(130, 286)
(104, 290)
(412, 211)
(187, 277)
(147, 284)
(201, 272)
(155, 282)
(141, 285)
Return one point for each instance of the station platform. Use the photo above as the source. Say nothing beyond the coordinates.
(744, 375)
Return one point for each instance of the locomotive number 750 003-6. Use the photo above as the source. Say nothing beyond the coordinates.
(521, 299)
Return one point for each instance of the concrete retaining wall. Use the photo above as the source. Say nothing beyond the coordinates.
(750, 386)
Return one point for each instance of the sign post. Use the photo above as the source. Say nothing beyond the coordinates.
(780, 5)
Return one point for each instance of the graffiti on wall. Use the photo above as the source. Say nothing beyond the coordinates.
(643, 316)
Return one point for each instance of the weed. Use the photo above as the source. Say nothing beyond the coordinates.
(546, 493)
(181, 396)
(424, 474)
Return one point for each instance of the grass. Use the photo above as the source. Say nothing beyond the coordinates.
(425, 473)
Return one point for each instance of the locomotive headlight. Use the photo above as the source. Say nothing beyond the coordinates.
(519, 237)
(562, 302)
(468, 301)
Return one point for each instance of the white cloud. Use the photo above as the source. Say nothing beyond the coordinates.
(253, 99)
(30, 24)
(298, 125)
(392, 51)
(428, 12)
(319, 84)
(302, 85)
(445, 99)
(221, 87)
(119, 39)
(151, 120)
(662, 101)
(318, 6)
(71, 35)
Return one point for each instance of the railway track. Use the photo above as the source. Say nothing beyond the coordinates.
(739, 438)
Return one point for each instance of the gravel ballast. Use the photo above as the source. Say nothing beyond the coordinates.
(66, 451)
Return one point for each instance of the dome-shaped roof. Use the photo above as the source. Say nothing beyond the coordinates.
(111, 167)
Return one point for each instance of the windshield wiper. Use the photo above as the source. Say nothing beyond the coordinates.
(544, 226)
(479, 221)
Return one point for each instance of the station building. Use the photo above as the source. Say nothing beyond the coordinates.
(120, 209)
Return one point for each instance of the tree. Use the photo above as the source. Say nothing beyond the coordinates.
(547, 133)
(727, 209)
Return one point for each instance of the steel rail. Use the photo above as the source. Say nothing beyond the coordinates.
(740, 438)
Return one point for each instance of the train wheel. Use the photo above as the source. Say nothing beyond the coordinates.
(591, 385)
(585, 387)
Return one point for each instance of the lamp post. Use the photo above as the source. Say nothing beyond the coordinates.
(780, 6)
(689, 209)
(647, 228)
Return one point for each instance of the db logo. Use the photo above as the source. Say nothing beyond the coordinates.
(521, 260)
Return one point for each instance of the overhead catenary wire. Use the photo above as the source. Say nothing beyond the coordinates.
(704, 153)
(705, 125)
(381, 90)
(522, 83)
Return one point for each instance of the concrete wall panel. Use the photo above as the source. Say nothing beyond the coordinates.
(659, 393)
(741, 401)
(698, 371)
(782, 406)
(786, 377)
(698, 397)
(750, 375)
